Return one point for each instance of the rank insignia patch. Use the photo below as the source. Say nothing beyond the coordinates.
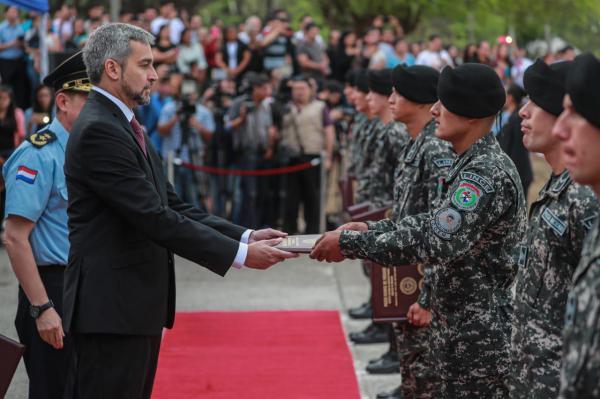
(466, 197)
(446, 222)
(40, 139)
(559, 226)
(443, 162)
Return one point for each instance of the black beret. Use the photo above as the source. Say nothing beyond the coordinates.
(361, 81)
(545, 85)
(351, 77)
(69, 75)
(257, 79)
(583, 86)
(380, 81)
(416, 83)
(471, 90)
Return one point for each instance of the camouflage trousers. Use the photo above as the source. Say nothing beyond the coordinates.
(535, 362)
(533, 378)
(480, 388)
(419, 381)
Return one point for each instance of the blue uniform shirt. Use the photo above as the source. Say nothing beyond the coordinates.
(8, 33)
(36, 190)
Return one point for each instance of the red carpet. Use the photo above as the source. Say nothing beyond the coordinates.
(256, 355)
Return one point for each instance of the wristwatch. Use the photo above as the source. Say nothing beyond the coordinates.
(36, 311)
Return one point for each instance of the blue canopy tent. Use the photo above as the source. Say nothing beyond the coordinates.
(42, 7)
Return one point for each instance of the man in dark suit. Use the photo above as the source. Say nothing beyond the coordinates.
(125, 223)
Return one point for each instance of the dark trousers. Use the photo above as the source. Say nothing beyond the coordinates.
(113, 366)
(303, 188)
(46, 367)
(14, 74)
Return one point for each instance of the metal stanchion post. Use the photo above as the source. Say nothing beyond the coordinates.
(171, 167)
(323, 193)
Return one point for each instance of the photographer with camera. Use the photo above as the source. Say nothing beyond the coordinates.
(186, 125)
(250, 121)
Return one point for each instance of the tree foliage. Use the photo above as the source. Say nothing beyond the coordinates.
(577, 21)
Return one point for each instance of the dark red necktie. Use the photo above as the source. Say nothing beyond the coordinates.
(139, 134)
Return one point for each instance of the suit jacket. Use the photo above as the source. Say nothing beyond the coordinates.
(511, 141)
(125, 223)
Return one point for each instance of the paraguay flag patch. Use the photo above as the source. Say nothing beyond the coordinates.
(26, 174)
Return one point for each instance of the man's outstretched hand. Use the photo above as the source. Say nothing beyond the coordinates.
(265, 234)
(263, 254)
(327, 248)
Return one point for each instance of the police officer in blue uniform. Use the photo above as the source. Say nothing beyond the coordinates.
(36, 235)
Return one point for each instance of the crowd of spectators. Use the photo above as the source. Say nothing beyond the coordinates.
(255, 95)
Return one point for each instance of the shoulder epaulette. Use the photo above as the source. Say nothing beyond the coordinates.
(41, 138)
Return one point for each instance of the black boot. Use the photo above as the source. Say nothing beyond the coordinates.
(388, 363)
(393, 394)
(373, 334)
(363, 311)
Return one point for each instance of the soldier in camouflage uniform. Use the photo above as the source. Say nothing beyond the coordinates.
(579, 129)
(419, 185)
(382, 150)
(361, 132)
(468, 240)
(389, 139)
(558, 223)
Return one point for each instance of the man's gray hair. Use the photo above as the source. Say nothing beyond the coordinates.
(111, 41)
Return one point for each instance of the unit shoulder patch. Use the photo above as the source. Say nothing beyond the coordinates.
(446, 222)
(467, 196)
(480, 180)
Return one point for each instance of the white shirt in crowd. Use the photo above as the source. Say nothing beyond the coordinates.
(518, 70)
(176, 26)
(434, 59)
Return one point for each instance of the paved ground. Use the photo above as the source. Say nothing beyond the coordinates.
(296, 284)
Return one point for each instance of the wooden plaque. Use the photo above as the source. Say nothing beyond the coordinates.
(394, 290)
(10, 355)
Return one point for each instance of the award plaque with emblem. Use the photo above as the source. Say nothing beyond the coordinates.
(302, 244)
(394, 290)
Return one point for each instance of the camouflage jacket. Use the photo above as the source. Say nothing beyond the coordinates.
(469, 241)
(358, 124)
(389, 144)
(558, 223)
(366, 148)
(580, 373)
(419, 185)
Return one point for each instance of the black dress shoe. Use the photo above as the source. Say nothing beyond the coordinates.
(363, 311)
(373, 334)
(394, 394)
(386, 354)
(388, 363)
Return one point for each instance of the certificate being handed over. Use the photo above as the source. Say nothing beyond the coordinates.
(299, 243)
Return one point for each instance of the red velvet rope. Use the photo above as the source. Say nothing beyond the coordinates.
(258, 172)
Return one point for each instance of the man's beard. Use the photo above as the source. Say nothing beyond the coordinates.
(139, 97)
